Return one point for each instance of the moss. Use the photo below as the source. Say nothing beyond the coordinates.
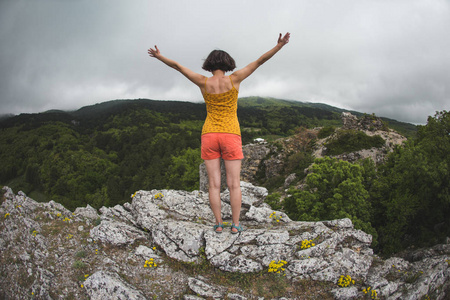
(80, 254)
(78, 264)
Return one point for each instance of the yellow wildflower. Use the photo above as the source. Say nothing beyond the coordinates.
(277, 267)
(275, 217)
(345, 281)
(150, 263)
(7, 215)
(307, 244)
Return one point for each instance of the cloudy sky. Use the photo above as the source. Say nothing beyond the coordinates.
(388, 57)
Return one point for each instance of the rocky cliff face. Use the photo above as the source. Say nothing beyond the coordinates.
(146, 249)
(371, 126)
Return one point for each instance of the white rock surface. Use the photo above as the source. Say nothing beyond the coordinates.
(40, 239)
(104, 285)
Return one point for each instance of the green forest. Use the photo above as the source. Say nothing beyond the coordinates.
(101, 154)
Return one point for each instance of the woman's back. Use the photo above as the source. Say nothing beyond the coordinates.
(218, 84)
(221, 98)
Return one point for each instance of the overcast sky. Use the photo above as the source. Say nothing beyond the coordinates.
(388, 57)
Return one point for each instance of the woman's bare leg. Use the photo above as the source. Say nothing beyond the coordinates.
(233, 170)
(213, 169)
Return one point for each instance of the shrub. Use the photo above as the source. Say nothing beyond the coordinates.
(274, 201)
(326, 131)
(351, 141)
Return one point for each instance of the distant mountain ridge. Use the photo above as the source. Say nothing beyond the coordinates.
(101, 111)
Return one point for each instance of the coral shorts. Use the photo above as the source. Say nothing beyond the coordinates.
(225, 145)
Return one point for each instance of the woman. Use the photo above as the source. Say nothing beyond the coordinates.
(221, 136)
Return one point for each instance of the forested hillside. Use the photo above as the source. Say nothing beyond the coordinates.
(101, 154)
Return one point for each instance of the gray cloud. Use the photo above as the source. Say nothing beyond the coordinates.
(385, 57)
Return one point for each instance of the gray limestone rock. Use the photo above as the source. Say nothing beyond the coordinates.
(291, 178)
(34, 241)
(180, 240)
(87, 212)
(240, 264)
(232, 296)
(106, 285)
(346, 293)
(218, 243)
(192, 297)
(204, 289)
(118, 213)
(145, 252)
(116, 233)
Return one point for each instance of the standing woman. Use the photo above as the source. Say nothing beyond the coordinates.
(221, 135)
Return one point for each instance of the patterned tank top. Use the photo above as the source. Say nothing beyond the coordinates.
(221, 112)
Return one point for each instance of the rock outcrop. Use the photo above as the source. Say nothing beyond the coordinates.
(371, 126)
(130, 251)
(366, 123)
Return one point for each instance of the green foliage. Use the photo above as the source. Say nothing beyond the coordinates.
(274, 201)
(326, 131)
(352, 140)
(298, 162)
(78, 264)
(412, 192)
(99, 162)
(335, 189)
(103, 153)
(80, 254)
(184, 170)
(269, 117)
(406, 129)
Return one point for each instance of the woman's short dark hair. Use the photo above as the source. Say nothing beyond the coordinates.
(219, 60)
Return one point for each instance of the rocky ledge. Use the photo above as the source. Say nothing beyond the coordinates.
(128, 252)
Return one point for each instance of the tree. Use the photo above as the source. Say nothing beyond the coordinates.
(412, 192)
(183, 173)
(335, 189)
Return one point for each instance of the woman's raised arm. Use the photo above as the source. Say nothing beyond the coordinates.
(239, 75)
(196, 78)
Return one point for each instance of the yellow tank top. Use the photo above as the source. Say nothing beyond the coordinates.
(221, 112)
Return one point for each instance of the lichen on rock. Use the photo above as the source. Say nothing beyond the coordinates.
(48, 252)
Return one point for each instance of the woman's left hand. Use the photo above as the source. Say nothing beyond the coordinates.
(284, 40)
(154, 52)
